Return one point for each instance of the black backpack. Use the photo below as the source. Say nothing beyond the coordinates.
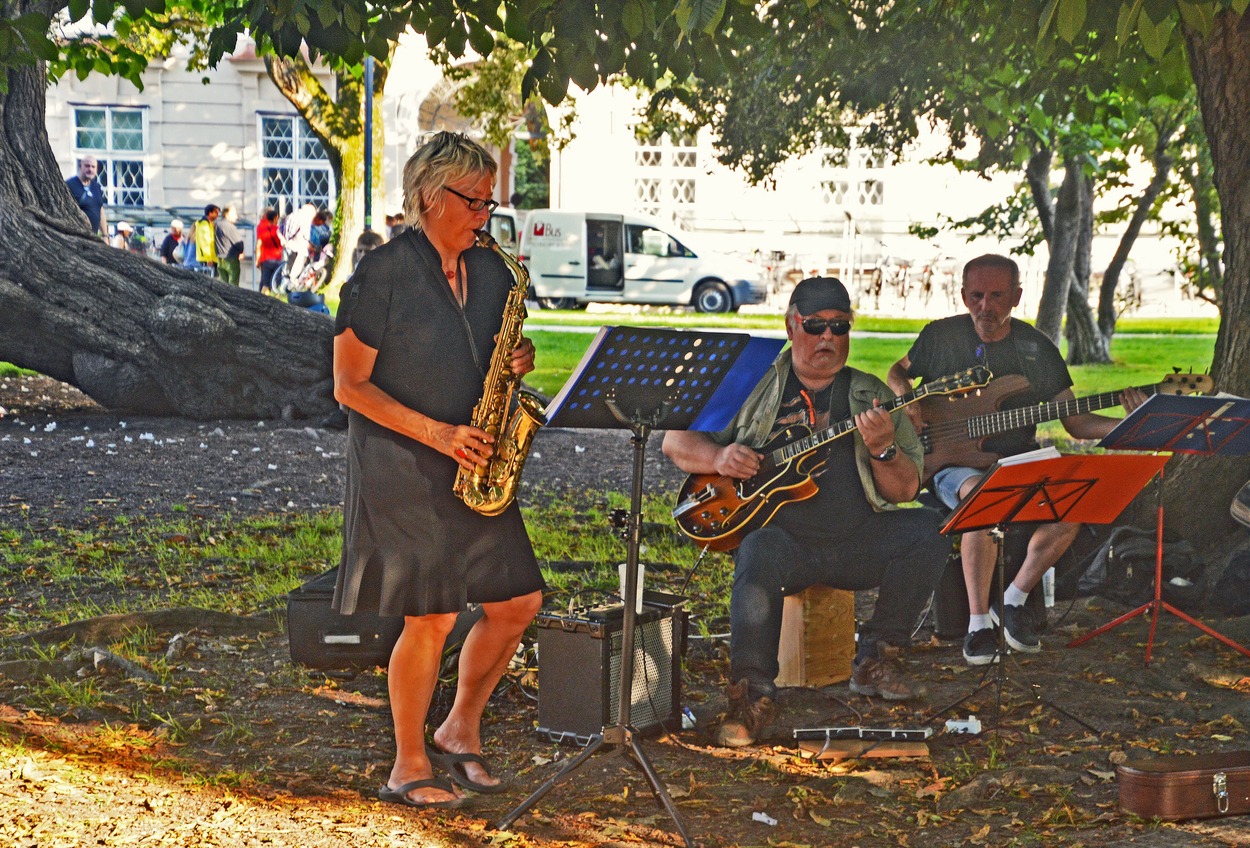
(1124, 569)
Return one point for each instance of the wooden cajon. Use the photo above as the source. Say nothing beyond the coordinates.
(817, 637)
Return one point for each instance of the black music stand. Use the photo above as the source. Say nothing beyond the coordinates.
(640, 378)
(1184, 424)
(1079, 488)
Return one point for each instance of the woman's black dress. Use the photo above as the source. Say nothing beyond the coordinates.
(410, 546)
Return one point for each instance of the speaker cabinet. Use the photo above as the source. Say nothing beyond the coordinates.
(579, 671)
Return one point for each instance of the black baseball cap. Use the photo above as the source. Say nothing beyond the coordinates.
(817, 293)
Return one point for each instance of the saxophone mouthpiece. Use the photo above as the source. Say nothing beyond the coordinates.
(484, 239)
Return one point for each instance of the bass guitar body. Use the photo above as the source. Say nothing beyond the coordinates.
(717, 511)
(948, 438)
(958, 425)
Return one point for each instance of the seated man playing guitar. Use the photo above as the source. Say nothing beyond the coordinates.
(989, 336)
(847, 534)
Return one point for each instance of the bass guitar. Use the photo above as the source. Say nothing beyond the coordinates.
(717, 511)
(956, 428)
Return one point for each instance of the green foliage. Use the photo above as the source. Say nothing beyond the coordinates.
(532, 178)
(488, 93)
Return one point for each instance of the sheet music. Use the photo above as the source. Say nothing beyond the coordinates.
(1048, 452)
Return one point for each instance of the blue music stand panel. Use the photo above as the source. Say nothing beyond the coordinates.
(705, 376)
(1185, 424)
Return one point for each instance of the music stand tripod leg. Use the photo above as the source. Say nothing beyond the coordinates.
(1001, 656)
(657, 787)
(620, 735)
(1025, 685)
(555, 780)
(1000, 649)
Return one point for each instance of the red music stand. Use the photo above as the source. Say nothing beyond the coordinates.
(1184, 424)
(1078, 488)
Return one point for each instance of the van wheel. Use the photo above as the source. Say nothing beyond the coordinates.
(557, 303)
(713, 297)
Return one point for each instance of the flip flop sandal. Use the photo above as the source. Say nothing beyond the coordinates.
(400, 795)
(453, 764)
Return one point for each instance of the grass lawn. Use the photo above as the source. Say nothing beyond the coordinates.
(1144, 350)
(1139, 359)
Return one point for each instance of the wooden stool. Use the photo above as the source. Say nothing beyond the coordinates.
(817, 637)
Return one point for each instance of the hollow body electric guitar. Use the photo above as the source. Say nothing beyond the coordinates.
(956, 428)
(717, 511)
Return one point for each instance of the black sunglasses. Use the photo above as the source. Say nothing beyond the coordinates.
(476, 204)
(817, 326)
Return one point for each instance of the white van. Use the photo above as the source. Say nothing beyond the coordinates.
(504, 228)
(575, 258)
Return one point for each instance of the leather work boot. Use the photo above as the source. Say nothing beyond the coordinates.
(746, 718)
(876, 677)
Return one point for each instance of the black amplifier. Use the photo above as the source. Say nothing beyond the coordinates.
(579, 669)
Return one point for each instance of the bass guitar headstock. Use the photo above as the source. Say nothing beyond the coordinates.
(1185, 384)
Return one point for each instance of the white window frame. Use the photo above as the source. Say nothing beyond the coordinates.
(299, 165)
(109, 156)
(666, 177)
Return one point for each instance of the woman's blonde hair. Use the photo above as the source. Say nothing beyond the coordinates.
(443, 158)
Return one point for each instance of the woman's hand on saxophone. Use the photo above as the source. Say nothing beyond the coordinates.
(522, 357)
(468, 445)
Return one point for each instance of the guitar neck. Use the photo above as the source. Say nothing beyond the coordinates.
(1027, 416)
(787, 452)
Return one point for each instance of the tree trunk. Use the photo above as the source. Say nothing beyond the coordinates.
(1086, 344)
(338, 122)
(1222, 74)
(1067, 222)
(133, 333)
(1162, 161)
(1037, 174)
(1198, 175)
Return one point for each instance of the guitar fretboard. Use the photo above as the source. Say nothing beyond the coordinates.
(1026, 416)
(798, 447)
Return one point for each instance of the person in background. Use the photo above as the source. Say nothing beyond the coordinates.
(268, 249)
(368, 241)
(89, 194)
(121, 238)
(296, 232)
(203, 257)
(851, 534)
(229, 246)
(320, 234)
(398, 225)
(173, 245)
(416, 318)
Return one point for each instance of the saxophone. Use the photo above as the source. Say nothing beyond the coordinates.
(509, 414)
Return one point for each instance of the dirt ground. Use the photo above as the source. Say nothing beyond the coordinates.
(310, 751)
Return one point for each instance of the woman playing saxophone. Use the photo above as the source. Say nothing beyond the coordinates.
(415, 334)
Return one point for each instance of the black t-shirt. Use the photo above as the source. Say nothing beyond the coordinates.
(833, 511)
(950, 345)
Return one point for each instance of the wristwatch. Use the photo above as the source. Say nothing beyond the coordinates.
(887, 454)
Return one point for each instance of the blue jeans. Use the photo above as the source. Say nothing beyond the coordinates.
(900, 553)
(947, 483)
